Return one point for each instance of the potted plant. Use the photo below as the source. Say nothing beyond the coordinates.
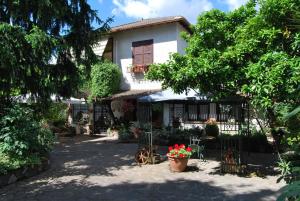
(178, 157)
(211, 127)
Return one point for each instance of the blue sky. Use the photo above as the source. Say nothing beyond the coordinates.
(125, 11)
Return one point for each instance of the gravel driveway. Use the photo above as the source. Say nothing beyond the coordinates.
(86, 169)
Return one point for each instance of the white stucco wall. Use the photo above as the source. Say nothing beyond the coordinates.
(181, 43)
(100, 46)
(164, 42)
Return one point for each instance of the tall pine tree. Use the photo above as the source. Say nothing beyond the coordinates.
(42, 43)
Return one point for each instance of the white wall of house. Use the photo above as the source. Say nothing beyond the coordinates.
(165, 41)
(181, 43)
(99, 47)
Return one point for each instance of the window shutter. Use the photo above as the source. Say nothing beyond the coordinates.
(148, 54)
(142, 52)
(137, 55)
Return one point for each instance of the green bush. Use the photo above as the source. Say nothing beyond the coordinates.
(125, 134)
(21, 135)
(290, 161)
(106, 79)
(257, 142)
(56, 114)
(9, 163)
(212, 130)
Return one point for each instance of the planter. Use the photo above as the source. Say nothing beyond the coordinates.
(212, 130)
(139, 69)
(178, 164)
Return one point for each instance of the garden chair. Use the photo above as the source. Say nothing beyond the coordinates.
(195, 145)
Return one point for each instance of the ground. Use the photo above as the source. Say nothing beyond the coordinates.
(87, 169)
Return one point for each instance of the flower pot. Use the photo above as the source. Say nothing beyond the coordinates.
(78, 129)
(178, 164)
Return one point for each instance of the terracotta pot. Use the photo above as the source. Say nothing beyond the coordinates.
(178, 164)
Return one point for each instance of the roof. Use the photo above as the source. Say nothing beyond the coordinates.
(152, 22)
(169, 95)
(131, 94)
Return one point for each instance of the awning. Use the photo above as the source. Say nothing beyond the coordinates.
(131, 94)
(169, 95)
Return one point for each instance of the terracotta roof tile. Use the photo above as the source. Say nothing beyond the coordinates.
(152, 22)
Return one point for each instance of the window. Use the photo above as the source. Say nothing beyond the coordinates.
(198, 112)
(78, 111)
(176, 115)
(204, 112)
(142, 53)
(192, 112)
(227, 111)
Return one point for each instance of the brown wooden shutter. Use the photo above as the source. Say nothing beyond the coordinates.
(148, 54)
(142, 52)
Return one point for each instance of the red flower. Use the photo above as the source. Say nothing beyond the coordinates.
(189, 149)
(176, 146)
(182, 146)
(170, 148)
(181, 155)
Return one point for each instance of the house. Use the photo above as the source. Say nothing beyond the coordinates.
(134, 47)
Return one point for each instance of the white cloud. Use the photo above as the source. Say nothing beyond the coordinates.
(159, 8)
(234, 4)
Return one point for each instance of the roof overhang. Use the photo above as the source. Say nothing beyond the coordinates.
(152, 22)
(130, 94)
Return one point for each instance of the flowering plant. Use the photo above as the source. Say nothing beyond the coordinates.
(211, 121)
(180, 151)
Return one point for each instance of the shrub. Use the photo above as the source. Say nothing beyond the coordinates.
(290, 161)
(106, 79)
(9, 163)
(257, 142)
(56, 113)
(211, 128)
(124, 133)
(21, 135)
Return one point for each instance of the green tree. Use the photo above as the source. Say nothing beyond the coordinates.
(42, 42)
(246, 52)
(105, 79)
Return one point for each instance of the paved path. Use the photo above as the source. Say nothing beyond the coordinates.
(87, 169)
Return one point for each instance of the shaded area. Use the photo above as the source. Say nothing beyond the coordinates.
(169, 190)
(87, 168)
(258, 164)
